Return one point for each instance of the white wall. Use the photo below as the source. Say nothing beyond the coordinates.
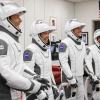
(62, 10)
(87, 12)
(22, 39)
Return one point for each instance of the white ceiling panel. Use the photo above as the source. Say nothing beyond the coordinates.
(78, 0)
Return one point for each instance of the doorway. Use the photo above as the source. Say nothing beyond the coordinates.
(96, 25)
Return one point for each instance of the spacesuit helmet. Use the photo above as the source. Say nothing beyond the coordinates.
(7, 10)
(71, 25)
(96, 35)
(38, 27)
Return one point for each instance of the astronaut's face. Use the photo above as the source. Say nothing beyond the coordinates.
(15, 20)
(44, 37)
(98, 39)
(77, 32)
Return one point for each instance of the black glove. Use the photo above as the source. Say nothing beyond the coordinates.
(37, 91)
(73, 89)
(93, 81)
(74, 85)
(44, 87)
(41, 95)
(44, 82)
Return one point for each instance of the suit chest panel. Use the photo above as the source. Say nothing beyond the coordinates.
(43, 59)
(16, 53)
(76, 53)
(96, 57)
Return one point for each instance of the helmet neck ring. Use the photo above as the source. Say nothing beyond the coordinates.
(18, 30)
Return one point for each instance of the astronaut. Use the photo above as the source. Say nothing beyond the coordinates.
(38, 54)
(72, 52)
(93, 59)
(12, 66)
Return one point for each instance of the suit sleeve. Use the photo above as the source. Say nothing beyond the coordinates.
(29, 59)
(88, 61)
(12, 78)
(63, 57)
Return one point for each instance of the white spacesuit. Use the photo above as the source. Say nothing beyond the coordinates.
(38, 54)
(72, 52)
(12, 66)
(93, 60)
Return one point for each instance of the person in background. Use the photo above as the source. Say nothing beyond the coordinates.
(72, 53)
(93, 60)
(12, 66)
(38, 54)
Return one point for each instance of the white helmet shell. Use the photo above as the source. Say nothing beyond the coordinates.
(40, 26)
(96, 34)
(72, 24)
(7, 10)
